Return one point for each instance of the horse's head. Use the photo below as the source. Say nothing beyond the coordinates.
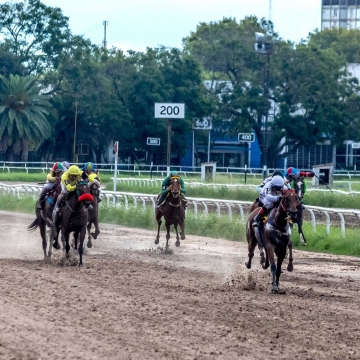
(289, 203)
(175, 187)
(83, 193)
(299, 187)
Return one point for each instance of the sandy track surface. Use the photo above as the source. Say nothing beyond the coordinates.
(131, 301)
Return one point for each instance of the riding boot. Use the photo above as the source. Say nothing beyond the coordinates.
(161, 200)
(259, 218)
(41, 200)
(55, 214)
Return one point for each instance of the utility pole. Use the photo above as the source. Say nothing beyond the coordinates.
(75, 155)
(104, 42)
(269, 10)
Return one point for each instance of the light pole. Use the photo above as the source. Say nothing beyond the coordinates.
(75, 156)
(262, 46)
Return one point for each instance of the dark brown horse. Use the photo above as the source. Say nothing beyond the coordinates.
(299, 187)
(44, 218)
(274, 236)
(174, 213)
(74, 218)
(93, 212)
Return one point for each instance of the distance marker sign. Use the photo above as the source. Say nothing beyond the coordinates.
(152, 141)
(169, 110)
(246, 137)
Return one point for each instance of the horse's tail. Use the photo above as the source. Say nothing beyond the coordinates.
(34, 225)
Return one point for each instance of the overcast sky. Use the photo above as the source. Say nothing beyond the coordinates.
(137, 24)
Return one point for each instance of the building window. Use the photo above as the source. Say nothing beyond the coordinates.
(335, 2)
(351, 2)
(326, 2)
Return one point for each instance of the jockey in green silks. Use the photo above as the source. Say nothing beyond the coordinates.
(165, 188)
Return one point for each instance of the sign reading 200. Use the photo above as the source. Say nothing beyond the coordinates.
(169, 110)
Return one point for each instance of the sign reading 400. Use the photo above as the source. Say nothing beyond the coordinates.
(169, 110)
(246, 137)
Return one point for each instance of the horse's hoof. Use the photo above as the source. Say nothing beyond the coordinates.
(56, 245)
(177, 244)
(290, 267)
(183, 237)
(156, 241)
(89, 244)
(274, 289)
(248, 265)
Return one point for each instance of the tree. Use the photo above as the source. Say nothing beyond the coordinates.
(23, 111)
(34, 32)
(10, 64)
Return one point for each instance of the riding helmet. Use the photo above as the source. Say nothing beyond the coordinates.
(74, 170)
(174, 173)
(89, 166)
(292, 171)
(58, 167)
(277, 183)
(277, 172)
(66, 165)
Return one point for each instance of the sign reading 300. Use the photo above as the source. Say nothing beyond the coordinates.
(169, 110)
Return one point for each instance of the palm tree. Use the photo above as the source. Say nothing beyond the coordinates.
(23, 122)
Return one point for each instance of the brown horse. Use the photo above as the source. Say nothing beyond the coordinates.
(274, 236)
(44, 218)
(174, 213)
(74, 218)
(93, 212)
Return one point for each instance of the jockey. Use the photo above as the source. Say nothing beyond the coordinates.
(165, 188)
(66, 165)
(69, 180)
(291, 173)
(276, 172)
(270, 194)
(90, 169)
(52, 178)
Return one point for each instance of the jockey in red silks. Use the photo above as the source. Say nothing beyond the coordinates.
(291, 173)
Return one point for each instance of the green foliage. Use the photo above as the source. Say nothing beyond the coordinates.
(34, 32)
(23, 114)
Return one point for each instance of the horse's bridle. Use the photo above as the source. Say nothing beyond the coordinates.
(291, 214)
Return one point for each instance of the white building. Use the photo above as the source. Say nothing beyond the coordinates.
(340, 14)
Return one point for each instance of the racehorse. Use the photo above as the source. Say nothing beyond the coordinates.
(299, 187)
(93, 212)
(274, 236)
(174, 213)
(44, 218)
(74, 218)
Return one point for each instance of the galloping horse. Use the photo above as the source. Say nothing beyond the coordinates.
(93, 212)
(44, 217)
(299, 187)
(74, 218)
(174, 213)
(274, 236)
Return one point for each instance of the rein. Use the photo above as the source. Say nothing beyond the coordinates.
(77, 200)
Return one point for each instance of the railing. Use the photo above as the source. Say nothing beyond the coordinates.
(156, 169)
(228, 207)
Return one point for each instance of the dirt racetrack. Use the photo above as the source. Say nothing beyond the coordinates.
(130, 301)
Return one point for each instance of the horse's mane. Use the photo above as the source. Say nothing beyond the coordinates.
(289, 191)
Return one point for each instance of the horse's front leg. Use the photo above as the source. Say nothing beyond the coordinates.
(262, 254)
(89, 242)
(271, 256)
(290, 266)
(167, 225)
(158, 219)
(75, 240)
(65, 235)
(97, 230)
(280, 258)
(177, 243)
(55, 235)
(81, 245)
(182, 232)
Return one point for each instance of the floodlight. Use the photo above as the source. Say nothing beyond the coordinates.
(260, 37)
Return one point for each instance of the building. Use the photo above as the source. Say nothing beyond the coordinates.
(340, 14)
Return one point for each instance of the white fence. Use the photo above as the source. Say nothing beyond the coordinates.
(155, 169)
(228, 207)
